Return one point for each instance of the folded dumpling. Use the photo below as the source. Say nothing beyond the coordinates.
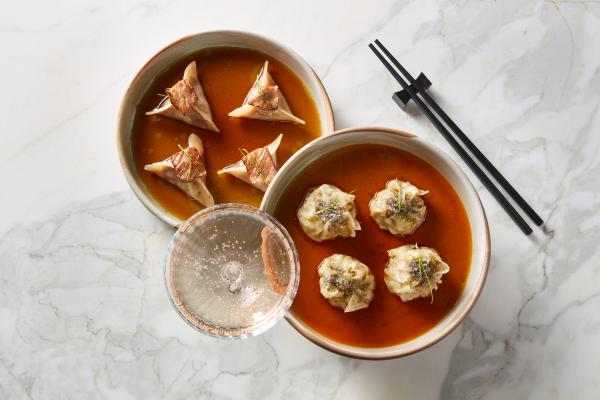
(346, 282)
(399, 208)
(186, 102)
(257, 167)
(186, 170)
(414, 271)
(265, 101)
(328, 212)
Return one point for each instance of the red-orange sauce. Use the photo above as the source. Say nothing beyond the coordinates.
(365, 169)
(226, 74)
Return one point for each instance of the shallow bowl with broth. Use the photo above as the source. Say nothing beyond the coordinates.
(319, 149)
(172, 55)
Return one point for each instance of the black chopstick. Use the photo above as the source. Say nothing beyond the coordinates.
(466, 141)
(510, 210)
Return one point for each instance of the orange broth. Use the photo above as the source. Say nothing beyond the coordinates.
(226, 74)
(365, 169)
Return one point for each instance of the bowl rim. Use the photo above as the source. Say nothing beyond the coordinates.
(146, 199)
(363, 352)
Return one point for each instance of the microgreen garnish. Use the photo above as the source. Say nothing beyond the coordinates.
(347, 286)
(422, 269)
(401, 206)
(330, 210)
(398, 205)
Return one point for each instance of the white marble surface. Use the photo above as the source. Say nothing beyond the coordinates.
(83, 310)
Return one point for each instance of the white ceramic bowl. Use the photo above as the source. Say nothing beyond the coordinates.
(450, 170)
(175, 52)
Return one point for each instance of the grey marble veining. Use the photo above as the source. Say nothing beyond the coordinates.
(83, 308)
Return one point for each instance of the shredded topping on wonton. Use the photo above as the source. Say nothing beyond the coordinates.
(188, 164)
(260, 166)
(182, 96)
(266, 97)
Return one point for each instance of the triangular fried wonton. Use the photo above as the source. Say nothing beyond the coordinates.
(257, 167)
(265, 101)
(186, 102)
(186, 170)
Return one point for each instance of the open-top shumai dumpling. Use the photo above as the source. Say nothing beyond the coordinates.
(257, 167)
(328, 213)
(186, 170)
(186, 102)
(414, 271)
(346, 282)
(399, 208)
(265, 101)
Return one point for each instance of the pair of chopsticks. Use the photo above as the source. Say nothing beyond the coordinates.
(466, 157)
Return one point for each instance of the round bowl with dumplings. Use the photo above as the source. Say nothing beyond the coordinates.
(475, 222)
(168, 65)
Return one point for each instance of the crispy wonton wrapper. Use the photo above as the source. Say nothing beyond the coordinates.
(265, 101)
(186, 170)
(186, 102)
(258, 167)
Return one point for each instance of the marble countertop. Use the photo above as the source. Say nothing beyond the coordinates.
(83, 309)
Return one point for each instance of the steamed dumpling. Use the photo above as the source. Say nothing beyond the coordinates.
(258, 167)
(265, 101)
(414, 271)
(186, 102)
(399, 208)
(328, 213)
(346, 282)
(186, 170)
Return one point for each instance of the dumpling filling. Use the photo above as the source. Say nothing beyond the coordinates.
(399, 208)
(265, 101)
(414, 271)
(346, 282)
(186, 102)
(186, 170)
(328, 213)
(258, 167)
